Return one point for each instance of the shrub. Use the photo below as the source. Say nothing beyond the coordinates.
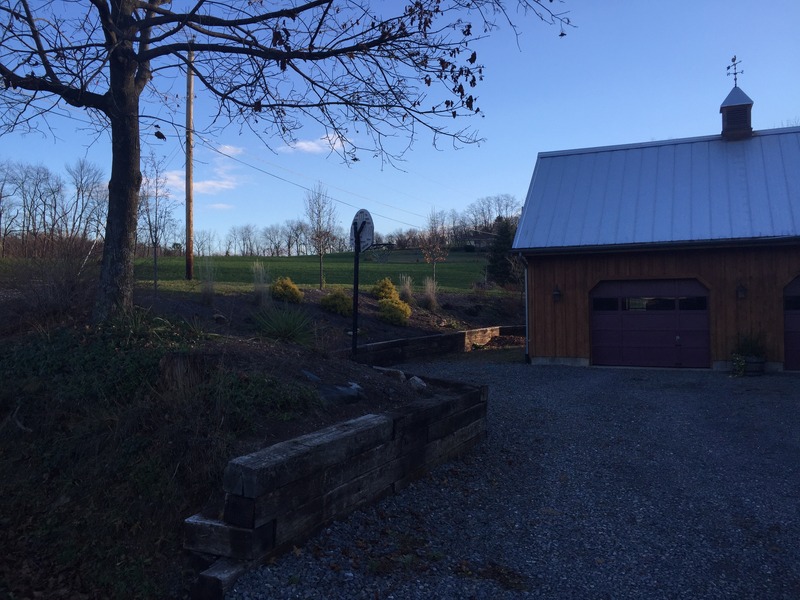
(407, 289)
(385, 290)
(394, 311)
(285, 323)
(208, 275)
(285, 289)
(260, 283)
(429, 299)
(337, 302)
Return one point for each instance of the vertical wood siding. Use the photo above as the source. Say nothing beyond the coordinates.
(562, 329)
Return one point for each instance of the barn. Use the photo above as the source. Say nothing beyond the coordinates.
(666, 254)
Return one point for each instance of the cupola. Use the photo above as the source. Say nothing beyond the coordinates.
(736, 115)
(737, 109)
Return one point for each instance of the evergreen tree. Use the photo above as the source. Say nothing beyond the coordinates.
(499, 268)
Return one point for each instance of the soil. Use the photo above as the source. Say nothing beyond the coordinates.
(230, 335)
(231, 319)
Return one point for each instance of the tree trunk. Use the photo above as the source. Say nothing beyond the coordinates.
(321, 278)
(115, 290)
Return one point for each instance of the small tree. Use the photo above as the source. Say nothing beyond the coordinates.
(433, 241)
(155, 208)
(321, 214)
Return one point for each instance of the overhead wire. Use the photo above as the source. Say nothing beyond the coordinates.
(245, 163)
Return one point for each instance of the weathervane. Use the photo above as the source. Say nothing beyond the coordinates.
(734, 64)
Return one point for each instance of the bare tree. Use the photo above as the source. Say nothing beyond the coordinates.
(272, 237)
(86, 213)
(294, 231)
(9, 209)
(156, 209)
(248, 237)
(205, 242)
(364, 71)
(433, 241)
(321, 215)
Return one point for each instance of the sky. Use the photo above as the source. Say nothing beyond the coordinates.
(629, 71)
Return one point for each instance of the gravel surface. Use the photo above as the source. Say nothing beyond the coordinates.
(593, 483)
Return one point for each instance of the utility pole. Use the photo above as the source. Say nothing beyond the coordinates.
(189, 168)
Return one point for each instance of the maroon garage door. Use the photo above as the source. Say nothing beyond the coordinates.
(791, 326)
(658, 323)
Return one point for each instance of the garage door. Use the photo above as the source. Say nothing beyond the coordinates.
(659, 323)
(791, 326)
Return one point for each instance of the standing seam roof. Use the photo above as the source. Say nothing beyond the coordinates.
(687, 190)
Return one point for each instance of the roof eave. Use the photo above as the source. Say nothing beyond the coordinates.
(655, 246)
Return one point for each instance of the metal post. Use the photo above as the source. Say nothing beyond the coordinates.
(357, 244)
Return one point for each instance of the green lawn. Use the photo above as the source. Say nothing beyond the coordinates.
(458, 273)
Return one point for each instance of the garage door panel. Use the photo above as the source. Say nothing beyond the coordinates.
(658, 324)
(691, 321)
(695, 358)
(693, 339)
(654, 357)
(648, 321)
(607, 355)
(646, 339)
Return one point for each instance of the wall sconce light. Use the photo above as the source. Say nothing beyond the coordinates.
(741, 292)
(557, 294)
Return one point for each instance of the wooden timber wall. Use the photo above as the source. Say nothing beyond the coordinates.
(278, 496)
(562, 329)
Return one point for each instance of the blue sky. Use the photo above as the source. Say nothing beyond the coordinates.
(631, 71)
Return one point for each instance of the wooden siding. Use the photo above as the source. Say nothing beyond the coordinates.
(561, 329)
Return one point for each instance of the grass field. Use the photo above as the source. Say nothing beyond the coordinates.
(458, 273)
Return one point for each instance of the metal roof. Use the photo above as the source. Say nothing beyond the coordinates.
(704, 189)
(736, 97)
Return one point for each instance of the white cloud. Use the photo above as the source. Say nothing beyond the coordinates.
(221, 206)
(222, 178)
(319, 146)
(223, 182)
(230, 150)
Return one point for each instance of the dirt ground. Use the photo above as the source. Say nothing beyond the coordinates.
(231, 320)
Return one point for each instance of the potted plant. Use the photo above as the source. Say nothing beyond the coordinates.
(749, 356)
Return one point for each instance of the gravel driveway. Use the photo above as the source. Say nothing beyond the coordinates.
(593, 483)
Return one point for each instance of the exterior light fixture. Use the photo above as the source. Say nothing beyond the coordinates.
(741, 292)
(557, 294)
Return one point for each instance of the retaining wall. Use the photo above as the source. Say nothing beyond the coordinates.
(397, 351)
(279, 496)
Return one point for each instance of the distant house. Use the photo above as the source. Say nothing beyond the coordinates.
(480, 240)
(666, 254)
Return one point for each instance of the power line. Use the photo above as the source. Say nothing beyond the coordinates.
(213, 148)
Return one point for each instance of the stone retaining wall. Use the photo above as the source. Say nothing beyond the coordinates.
(278, 496)
(397, 351)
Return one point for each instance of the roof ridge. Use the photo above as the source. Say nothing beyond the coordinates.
(671, 142)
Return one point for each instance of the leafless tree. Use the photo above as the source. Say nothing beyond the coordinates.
(248, 238)
(294, 230)
(272, 238)
(156, 208)
(205, 242)
(85, 216)
(321, 215)
(9, 209)
(373, 75)
(433, 241)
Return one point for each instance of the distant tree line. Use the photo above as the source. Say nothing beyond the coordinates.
(43, 212)
(473, 228)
